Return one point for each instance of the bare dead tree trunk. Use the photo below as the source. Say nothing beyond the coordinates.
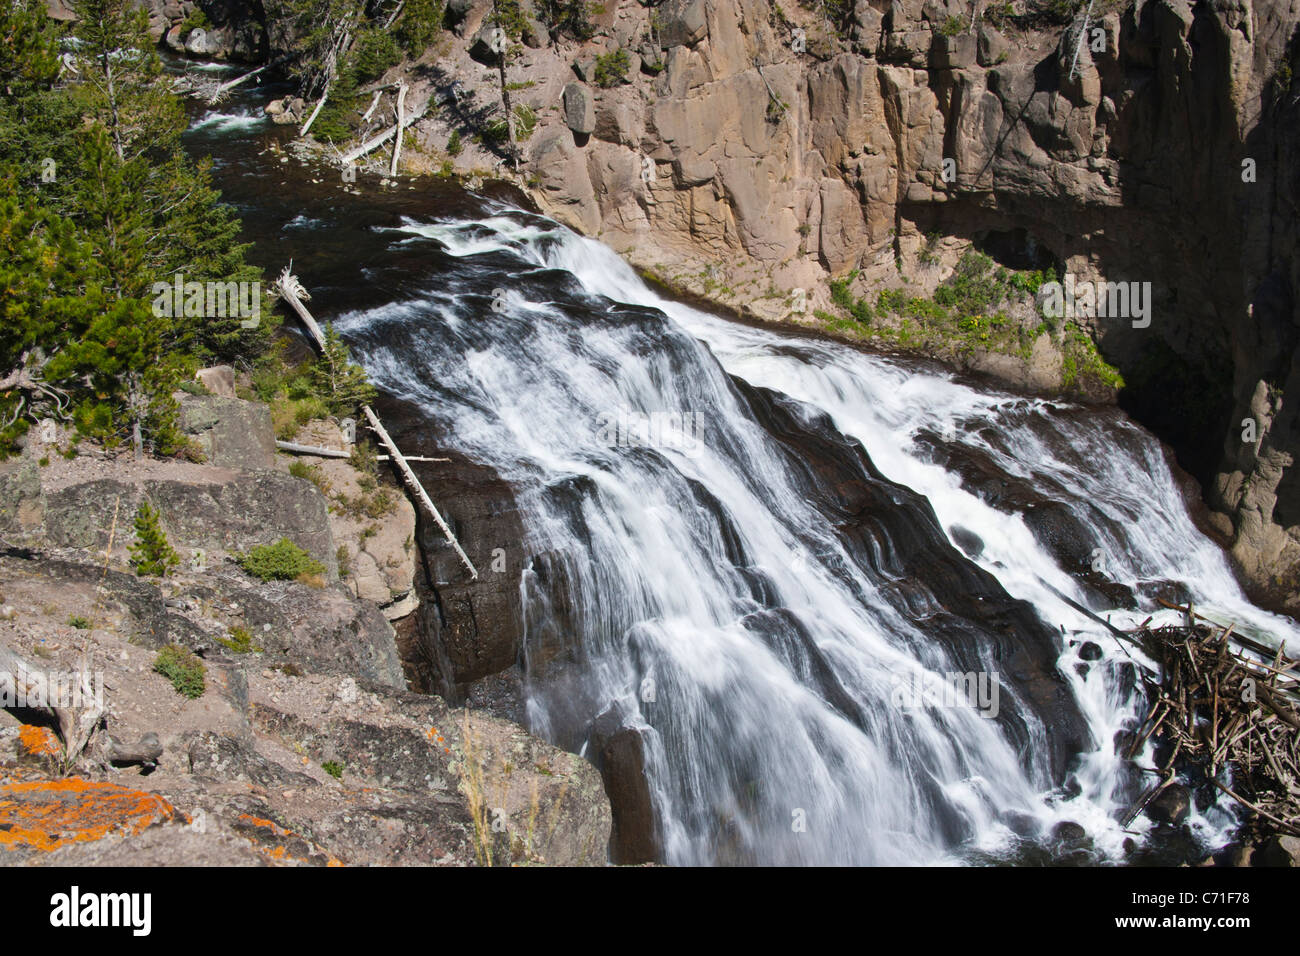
(502, 54)
(136, 403)
(400, 134)
(76, 723)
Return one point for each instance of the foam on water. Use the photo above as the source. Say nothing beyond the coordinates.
(662, 548)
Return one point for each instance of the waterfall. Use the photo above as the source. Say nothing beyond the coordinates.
(820, 585)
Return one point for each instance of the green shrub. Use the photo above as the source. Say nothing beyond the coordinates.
(1083, 364)
(453, 143)
(373, 53)
(79, 622)
(1056, 11)
(290, 414)
(333, 768)
(312, 473)
(197, 19)
(858, 309)
(611, 68)
(240, 641)
(183, 669)
(572, 17)
(282, 561)
(420, 23)
(151, 555)
(840, 293)
(339, 382)
(509, 16)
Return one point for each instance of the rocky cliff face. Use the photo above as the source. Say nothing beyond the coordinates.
(305, 747)
(752, 151)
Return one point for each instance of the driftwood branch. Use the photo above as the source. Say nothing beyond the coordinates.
(320, 103)
(1222, 702)
(218, 93)
(397, 140)
(314, 450)
(319, 452)
(31, 684)
(372, 144)
(291, 290)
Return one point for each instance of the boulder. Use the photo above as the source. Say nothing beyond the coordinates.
(231, 433)
(1172, 805)
(992, 47)
(953, 52)
(535, 34)
(196, 44)
(867, 22)
(682, 23)
(579, 109)
(466, 16)
(1277, 850)
(173, 39)
(218, 379)
(483, 47)
(620, 755)
(21, 504)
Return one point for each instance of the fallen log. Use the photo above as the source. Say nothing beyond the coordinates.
(372, 144)
(414, 484)
(292, 291)
(315, 450)
(320, 452)
(320, 103)
(219, 93)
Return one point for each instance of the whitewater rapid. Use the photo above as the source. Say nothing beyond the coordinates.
(718, 610)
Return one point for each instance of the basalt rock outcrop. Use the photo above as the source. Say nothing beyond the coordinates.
(764, 152)
(304, 746)
(750, 151)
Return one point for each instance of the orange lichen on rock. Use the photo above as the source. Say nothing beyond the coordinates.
(39, 741)
(260, 832)
(50, 814)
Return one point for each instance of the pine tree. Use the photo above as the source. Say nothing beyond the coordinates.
(28, 47)
(339, 382)
(48, 294)
(101, 146)
(151, 555)
(419, 26)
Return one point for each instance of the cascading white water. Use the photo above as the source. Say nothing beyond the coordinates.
(718, 610)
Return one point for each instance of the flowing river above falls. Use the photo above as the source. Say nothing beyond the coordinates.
(822, 585)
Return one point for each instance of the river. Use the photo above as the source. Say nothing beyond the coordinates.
(821, 585)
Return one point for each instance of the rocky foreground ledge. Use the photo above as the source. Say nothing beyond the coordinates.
(304, 747)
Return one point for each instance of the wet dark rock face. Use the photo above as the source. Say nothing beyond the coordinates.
(618, 752)
(979, 619)
(467, 629)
